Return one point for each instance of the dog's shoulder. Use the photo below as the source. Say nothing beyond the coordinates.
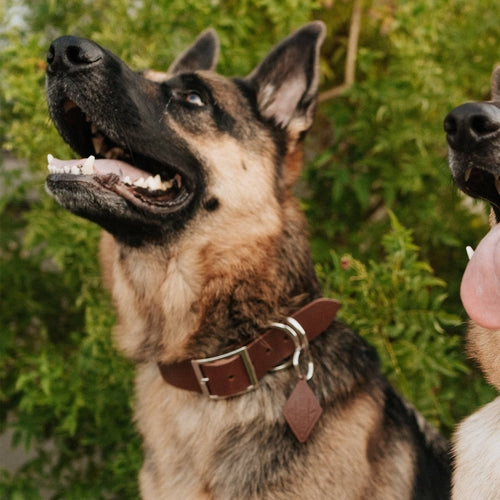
(477, 454)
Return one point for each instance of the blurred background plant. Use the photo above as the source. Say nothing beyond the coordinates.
(388, 228)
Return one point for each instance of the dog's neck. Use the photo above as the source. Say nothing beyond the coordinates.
(180, 303)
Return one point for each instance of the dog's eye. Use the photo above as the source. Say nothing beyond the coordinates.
(194, 98)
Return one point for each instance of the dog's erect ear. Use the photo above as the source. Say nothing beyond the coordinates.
(286, 81)
(495, 84)
(202, 54)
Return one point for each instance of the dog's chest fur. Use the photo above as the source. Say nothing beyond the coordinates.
(477, 452)
(221, 450)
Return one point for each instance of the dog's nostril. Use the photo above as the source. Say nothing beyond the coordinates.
(481, 124)
(450, 125)
(69, 53)
(50, 55)
(82, 54)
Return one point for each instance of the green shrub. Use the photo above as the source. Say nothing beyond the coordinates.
(398, 305)
(376, 149)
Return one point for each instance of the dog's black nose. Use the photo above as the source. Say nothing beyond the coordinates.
(468, 124)
(68, 53)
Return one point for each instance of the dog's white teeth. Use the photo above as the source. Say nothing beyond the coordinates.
(470, 252)
(156, 185)
(55, 167)
(88, 166)
(152, 183)
(467, 174)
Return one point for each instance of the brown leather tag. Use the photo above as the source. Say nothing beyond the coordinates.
(302, 411)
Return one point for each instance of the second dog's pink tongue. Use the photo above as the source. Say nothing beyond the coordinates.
(480, 289)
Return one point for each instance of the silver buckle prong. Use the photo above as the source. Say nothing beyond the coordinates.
(247, 363)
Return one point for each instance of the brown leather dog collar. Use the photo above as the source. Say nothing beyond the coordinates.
(239, 371)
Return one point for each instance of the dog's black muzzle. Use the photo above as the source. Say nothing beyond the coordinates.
(473, 135)
(102, 108)
(471, 125)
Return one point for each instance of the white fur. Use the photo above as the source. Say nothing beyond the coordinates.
(477, 451)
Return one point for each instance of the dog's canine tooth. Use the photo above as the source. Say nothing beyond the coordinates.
(497, 184)
(98, 142)
(127, 180)
(88, 166)
(155, 183)
(50, 158)
(470, 252)
(467, 174)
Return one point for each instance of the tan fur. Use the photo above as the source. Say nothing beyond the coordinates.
(484, 346)
(178, 427)
(175, 285)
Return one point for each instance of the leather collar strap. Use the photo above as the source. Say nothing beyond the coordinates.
(238, 371)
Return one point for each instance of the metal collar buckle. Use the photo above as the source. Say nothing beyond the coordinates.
(203, 380)
(295, 330)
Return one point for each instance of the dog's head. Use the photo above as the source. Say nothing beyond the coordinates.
(473, 135)
(158, 148)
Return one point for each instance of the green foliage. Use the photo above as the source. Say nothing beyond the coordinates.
(397, 304)
(377, 149)
(60, 373)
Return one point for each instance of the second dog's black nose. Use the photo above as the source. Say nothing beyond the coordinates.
(69, 53)
(468, 124)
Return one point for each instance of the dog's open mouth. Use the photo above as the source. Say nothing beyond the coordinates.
(143, 181)
(480, 183)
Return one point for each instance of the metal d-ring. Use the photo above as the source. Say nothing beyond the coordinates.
(294, 330)
(294, 336)
(304, 341)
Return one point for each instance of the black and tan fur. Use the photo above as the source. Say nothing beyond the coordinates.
(473, 134)
(207, 266)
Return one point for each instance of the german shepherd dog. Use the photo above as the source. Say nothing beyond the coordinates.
(205, 252)
(473, 135)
